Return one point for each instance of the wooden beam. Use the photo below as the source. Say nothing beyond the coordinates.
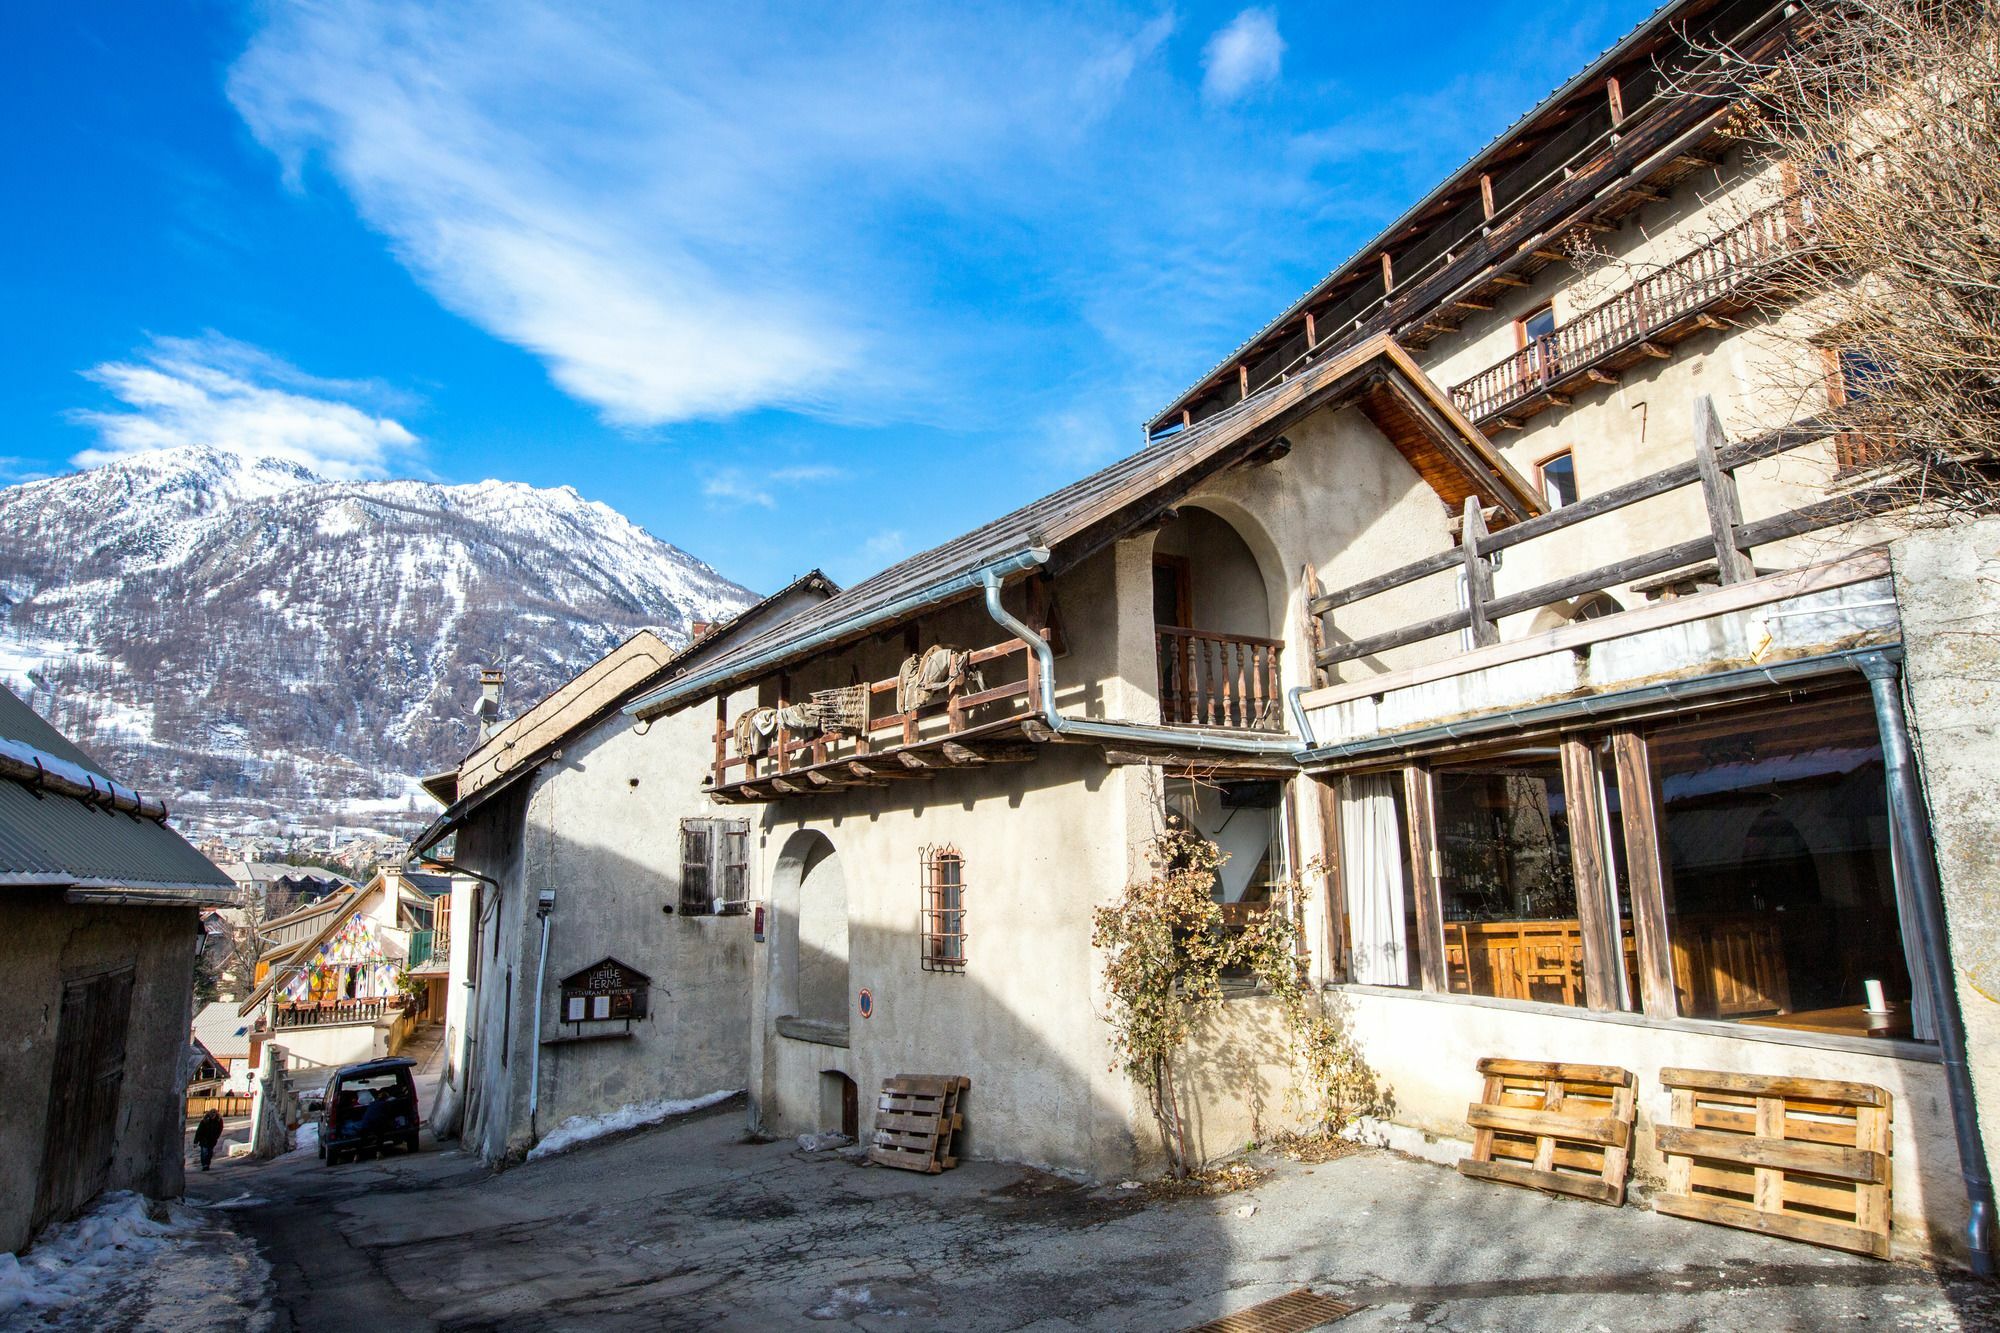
(1603, 949)
(1486, 195)
(1616, 97)
(1708, 321)
(1420, 806)
(1388, 273)
(1696, 161)
(1243, 379)
(1596, 376)
(1472, 303)
(1508, 280)
(910, 759)
(1649, 878)
(1037, 730)
(1718, 493)
(1478, 574)
(1654, 350)
(1553, 256)
(1646, 192)
(1312, 331)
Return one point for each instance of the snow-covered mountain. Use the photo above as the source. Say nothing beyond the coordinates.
(271, 645)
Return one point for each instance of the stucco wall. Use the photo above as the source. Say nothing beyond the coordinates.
(600, 825)
(1948, 583)
(1426, 1048)
(49, 942)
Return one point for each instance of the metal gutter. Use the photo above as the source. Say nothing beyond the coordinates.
(693, 687)
(1883, 668)
(1088, 729)
(1523, 719)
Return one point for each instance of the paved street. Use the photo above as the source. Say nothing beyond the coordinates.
(692, 1226)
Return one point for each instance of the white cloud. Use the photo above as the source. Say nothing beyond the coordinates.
(1242, 56)
(683, 214)
(746, 486)
(229, 395)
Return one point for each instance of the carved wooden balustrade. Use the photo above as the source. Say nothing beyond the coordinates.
(1229, 681)
(1718, 274)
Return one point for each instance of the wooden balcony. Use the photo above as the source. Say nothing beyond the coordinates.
(1687, 295)
(965, 724)
(326, 1012)
(1226, 681)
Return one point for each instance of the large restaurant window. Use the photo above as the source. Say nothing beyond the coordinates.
(1734, 864)
(1507, 887)
(1780, 892)
(1245, 820)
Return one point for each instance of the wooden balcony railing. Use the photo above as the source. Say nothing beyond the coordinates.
(1219, 680)
(882, 723)
(1682, 291)
(322, 1012)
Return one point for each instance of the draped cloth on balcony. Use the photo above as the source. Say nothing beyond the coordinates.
(1371, 869)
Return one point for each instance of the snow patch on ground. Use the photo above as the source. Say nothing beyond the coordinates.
(305, 1139)
(131, 1264)
(583, 1128)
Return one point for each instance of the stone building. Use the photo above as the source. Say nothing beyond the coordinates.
(100, 916)
(605, 941)
(1493, 589)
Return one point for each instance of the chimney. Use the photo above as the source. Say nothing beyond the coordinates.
(488, 711)
(698, 629)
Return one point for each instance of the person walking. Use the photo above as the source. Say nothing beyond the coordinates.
(207, 1134)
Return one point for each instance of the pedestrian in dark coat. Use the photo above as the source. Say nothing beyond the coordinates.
(207, 1134)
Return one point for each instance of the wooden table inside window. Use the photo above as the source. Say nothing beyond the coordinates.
(1847, 1020)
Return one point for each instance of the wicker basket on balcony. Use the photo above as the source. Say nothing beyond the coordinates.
(842, 711)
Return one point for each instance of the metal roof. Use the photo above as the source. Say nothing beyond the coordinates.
(222, 1031)
(57, 841)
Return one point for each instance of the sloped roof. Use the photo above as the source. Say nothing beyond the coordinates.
(222, 1031)
(1087, 515)
(51, 839)
(286, 961)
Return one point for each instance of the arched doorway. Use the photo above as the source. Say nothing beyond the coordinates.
(1216, 630)
(809, 900)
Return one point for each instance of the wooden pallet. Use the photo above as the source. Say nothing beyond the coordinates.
(916, 1116)
(1805, 1158)
(1558, 1127)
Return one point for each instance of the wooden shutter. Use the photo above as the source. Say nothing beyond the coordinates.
(697, 863)
(732, 869)
(81, 1136)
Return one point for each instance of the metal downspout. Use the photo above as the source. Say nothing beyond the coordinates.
(1883, 668)
(542, 910)
(1045, 659)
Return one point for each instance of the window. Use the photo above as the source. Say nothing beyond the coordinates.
(944, 910)
(1376, 879)
(1536, 333)
(1559, 480)
(1852, 378)
(1780, 890)
(715, 866)
(1731, 864)
(1246, 822)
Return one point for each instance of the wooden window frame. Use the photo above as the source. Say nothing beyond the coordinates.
(1541, 480)
(717, 881)
(943, 949)
(1852, 452)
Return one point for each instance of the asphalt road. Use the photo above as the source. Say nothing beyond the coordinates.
(695, 1226)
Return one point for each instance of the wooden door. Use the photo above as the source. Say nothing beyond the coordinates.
(81, 1136)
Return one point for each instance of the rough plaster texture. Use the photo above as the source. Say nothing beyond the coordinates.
(1948, 582)
(1426, 1048)
(49, 942)
(600, 825)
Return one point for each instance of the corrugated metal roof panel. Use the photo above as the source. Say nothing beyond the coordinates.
(57, 840)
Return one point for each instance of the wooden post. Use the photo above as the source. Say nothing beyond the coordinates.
(1243, 380)
(1420, 804)
(1312, 332)
(1616, 96)
(1648, 878)
(783, 736)
(1388, 273)
(1315, 627)
(721, 738)
(1486, 195)
(1478, 575)
(1336, 888)
(1603, 949)
(1718, 491)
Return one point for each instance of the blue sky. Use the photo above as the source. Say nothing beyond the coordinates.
(820, 285)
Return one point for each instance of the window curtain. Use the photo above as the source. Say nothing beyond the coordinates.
(1371, 864)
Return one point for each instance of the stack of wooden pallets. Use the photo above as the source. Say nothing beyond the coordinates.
(915, 1119)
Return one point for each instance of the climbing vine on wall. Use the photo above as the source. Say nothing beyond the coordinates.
(1166, 950)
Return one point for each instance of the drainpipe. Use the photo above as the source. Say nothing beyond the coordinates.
(1906, 802)
(543, 907)
(1087, 729)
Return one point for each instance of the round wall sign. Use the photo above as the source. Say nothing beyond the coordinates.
(867, 1003)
